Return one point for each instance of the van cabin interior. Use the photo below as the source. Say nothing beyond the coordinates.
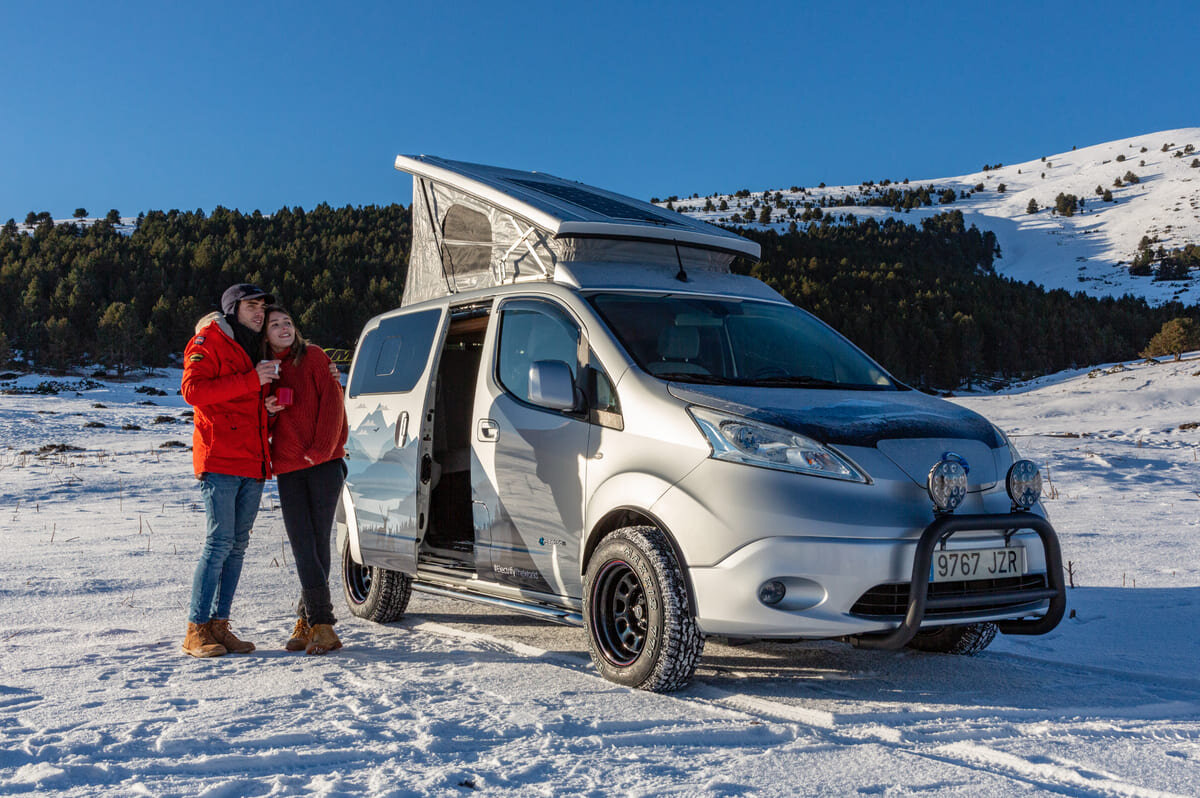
(450, 539)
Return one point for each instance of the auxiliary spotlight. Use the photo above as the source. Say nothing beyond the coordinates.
(1024, 484)
(947, 485)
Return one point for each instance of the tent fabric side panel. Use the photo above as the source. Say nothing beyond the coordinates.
(445, 255)
(461, 243)
(425, 280)
(514, 244)
(650, 253)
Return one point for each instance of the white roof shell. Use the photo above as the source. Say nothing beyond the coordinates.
(476, 226)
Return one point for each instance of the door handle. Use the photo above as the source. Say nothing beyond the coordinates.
(488, 431)
(402, 429)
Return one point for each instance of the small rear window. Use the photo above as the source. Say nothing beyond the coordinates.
(393, 356)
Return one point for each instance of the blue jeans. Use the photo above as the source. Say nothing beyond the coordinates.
(232, 505)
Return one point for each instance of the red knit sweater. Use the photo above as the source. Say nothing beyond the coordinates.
(312, 430)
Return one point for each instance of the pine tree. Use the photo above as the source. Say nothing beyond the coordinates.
(1177, 336)
(119, 335)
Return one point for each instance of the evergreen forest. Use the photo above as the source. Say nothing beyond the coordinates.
(923, 300)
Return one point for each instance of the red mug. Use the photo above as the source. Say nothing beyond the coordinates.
(283, 396)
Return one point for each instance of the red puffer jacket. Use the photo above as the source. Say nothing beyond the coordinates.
(219, 380)
(312, 430)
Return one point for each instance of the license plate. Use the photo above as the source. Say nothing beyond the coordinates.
(966, 564)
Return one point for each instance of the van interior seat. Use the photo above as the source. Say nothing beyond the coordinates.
(678, 348)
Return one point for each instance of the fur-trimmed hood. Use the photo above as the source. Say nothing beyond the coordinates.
(219, 318)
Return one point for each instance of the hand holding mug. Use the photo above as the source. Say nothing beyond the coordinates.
(268, 371)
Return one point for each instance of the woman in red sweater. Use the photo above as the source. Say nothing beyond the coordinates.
(308, 438)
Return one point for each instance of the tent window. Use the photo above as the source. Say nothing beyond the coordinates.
(467, 235)
(463, 224)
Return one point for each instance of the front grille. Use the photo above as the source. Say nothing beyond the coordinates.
(891, 600)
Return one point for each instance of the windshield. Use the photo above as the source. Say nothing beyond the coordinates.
(736, 342)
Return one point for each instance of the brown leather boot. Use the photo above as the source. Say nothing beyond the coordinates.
(221, 633)
(323, 639)
(199, 642)
(300, 636)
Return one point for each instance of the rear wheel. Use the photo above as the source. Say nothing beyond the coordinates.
(374, 593)
(966, 639)
(641, 632)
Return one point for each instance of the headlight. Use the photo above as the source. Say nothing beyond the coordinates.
(741, 440)
(1024, 483)
(947, 484)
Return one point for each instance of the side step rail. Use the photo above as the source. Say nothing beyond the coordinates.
(942, 528)
(547, 613)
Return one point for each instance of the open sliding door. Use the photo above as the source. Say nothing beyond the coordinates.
(389, 409)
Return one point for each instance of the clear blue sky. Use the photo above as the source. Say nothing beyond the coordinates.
(140, 106)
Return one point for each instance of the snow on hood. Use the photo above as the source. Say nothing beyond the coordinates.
(849, 418)
(911, 429)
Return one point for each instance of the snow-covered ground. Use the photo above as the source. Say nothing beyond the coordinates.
(1090, 251)
(100, 541)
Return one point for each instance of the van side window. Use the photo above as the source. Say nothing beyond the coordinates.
(604, 396)
(530, 331)
(393, 355)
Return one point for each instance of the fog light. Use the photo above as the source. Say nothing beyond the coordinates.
(772, 592)
(947, 485)
(1024, 483)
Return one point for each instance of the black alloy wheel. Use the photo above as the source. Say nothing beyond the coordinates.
(640, 626)
(357, 579)
(620, 613)
(372, 592)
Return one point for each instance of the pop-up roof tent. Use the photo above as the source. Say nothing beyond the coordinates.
(476, 226)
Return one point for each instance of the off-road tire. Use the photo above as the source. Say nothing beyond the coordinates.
(967, 639)
(374, 593)
(640, 628)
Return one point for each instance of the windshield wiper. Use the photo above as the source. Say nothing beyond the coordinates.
(804, 381)
(794, 380)
(703, 379)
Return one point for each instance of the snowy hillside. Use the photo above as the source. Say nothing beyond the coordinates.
(1090, 251)
(101, 526)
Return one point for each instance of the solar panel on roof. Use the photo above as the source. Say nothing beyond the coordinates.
(612, 208)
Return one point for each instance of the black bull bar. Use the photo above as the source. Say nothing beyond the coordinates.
(942, 528)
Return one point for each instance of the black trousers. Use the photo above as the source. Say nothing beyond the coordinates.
(308, 499)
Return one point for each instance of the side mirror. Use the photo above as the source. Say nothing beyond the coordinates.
(551, 385)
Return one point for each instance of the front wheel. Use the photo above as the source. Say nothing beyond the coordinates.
(374, 593)
(640, 628)
(966, 639)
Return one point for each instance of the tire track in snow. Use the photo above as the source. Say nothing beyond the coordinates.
(1058, 776)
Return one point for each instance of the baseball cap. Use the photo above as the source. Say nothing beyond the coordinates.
(236, 293)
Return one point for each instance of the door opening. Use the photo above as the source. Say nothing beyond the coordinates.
(450, 539)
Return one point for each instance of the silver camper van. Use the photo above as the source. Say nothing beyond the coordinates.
(578, 411)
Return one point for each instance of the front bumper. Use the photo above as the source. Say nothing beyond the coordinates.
(827, 576)
(919, 602)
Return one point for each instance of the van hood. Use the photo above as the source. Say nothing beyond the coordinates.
(849, 418)
(911, 429)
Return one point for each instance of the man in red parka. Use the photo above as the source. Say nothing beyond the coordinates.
(230, 454)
